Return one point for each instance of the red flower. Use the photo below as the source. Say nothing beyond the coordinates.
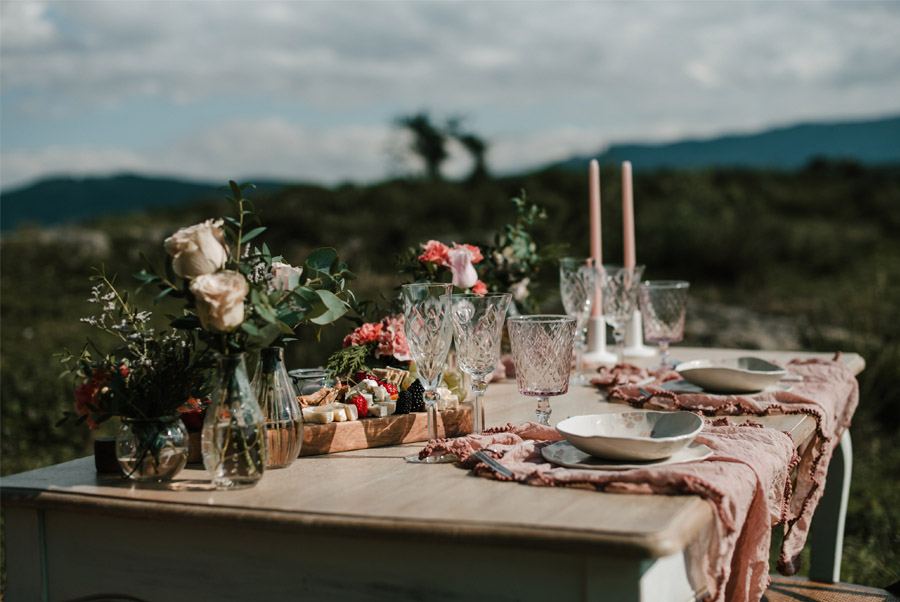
(123, 370)
(86, 395)
(434, 251)
(480, 288)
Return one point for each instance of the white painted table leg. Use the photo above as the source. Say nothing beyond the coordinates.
(827, 529)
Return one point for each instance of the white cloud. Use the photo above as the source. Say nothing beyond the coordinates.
(534, 77)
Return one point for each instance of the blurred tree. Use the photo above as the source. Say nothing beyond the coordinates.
(429, 142)
(475, 145)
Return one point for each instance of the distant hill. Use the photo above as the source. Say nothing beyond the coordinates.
(69, 199)
(872, 142)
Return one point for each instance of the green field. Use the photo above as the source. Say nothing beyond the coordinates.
(814, 251)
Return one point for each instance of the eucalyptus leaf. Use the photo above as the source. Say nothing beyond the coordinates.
(334, 308)
(321, 259)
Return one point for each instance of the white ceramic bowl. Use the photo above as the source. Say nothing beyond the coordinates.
(635, 435)
(740, 375)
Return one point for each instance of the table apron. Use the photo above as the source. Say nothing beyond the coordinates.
(59, 555)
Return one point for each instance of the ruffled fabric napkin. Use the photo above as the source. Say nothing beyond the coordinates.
(747, 479)
(828, 392)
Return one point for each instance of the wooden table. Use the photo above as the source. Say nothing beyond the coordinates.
(360, 525)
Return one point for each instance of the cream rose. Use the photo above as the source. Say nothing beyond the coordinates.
(198, 249)
(285, 277)
(220, 299)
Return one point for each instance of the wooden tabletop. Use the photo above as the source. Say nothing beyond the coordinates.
(375, 491)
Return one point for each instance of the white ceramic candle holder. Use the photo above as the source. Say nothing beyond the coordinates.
(597, 353)
(634, 338)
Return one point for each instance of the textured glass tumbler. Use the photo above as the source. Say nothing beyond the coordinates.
(619, 288)
(542, 351)
(478, 328)
(663, 307)
(577, 284)
(429, 333)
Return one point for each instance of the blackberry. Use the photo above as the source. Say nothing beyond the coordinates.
(416, 394)
(404, 403)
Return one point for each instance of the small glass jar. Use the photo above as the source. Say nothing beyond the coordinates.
(152, 450)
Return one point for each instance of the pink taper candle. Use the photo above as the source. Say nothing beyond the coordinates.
(596, 246)
(629, 255)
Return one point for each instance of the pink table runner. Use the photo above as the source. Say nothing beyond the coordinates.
(747, 479)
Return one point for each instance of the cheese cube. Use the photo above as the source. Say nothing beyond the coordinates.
(378, 410)
(316, 415)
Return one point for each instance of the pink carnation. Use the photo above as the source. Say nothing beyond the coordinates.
(370, 332)
(474, 251)
(480, 288)
(392, 342)
(434, 251)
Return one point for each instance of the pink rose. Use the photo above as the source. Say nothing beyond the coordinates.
(464, 274)
(434, 251)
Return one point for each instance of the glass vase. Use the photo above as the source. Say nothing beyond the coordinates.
(152, 450)
(233, 440)
(276, 396)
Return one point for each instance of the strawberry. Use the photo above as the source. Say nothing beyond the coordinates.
(391, 388)
(361, 376)
(362, 406)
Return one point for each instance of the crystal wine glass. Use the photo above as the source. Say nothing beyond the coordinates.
(478, 326)
(619, 286)
(429, 333)
(542, 352)
(577, 283)
(663, 304)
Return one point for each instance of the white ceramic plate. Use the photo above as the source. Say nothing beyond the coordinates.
(633, 435)
(683, 386)
(740, 375)
(565, 454)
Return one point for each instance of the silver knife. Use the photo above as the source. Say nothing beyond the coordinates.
(496, 466)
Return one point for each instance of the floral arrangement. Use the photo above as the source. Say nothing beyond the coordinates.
(147, 375)
(508, 264)
(239, 296)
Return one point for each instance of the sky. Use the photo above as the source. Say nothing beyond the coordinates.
(310, 90)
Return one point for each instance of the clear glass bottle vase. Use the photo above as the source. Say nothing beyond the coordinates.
(276, 396)
(233, 440)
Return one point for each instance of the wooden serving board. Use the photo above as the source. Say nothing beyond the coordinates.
(380, 432)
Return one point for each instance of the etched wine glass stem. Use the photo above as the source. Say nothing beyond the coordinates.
(580, 346)
(665, 360)
(619, 337)
(431, 407)
(543, 410)
(479, 386)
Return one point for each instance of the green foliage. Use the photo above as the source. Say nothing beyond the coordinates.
(347, 361)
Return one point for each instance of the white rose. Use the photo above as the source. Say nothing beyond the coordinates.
(285, 277)
(220, 299)
(198, 250)
(520, 289)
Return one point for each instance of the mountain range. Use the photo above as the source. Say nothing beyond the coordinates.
(871, 142)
